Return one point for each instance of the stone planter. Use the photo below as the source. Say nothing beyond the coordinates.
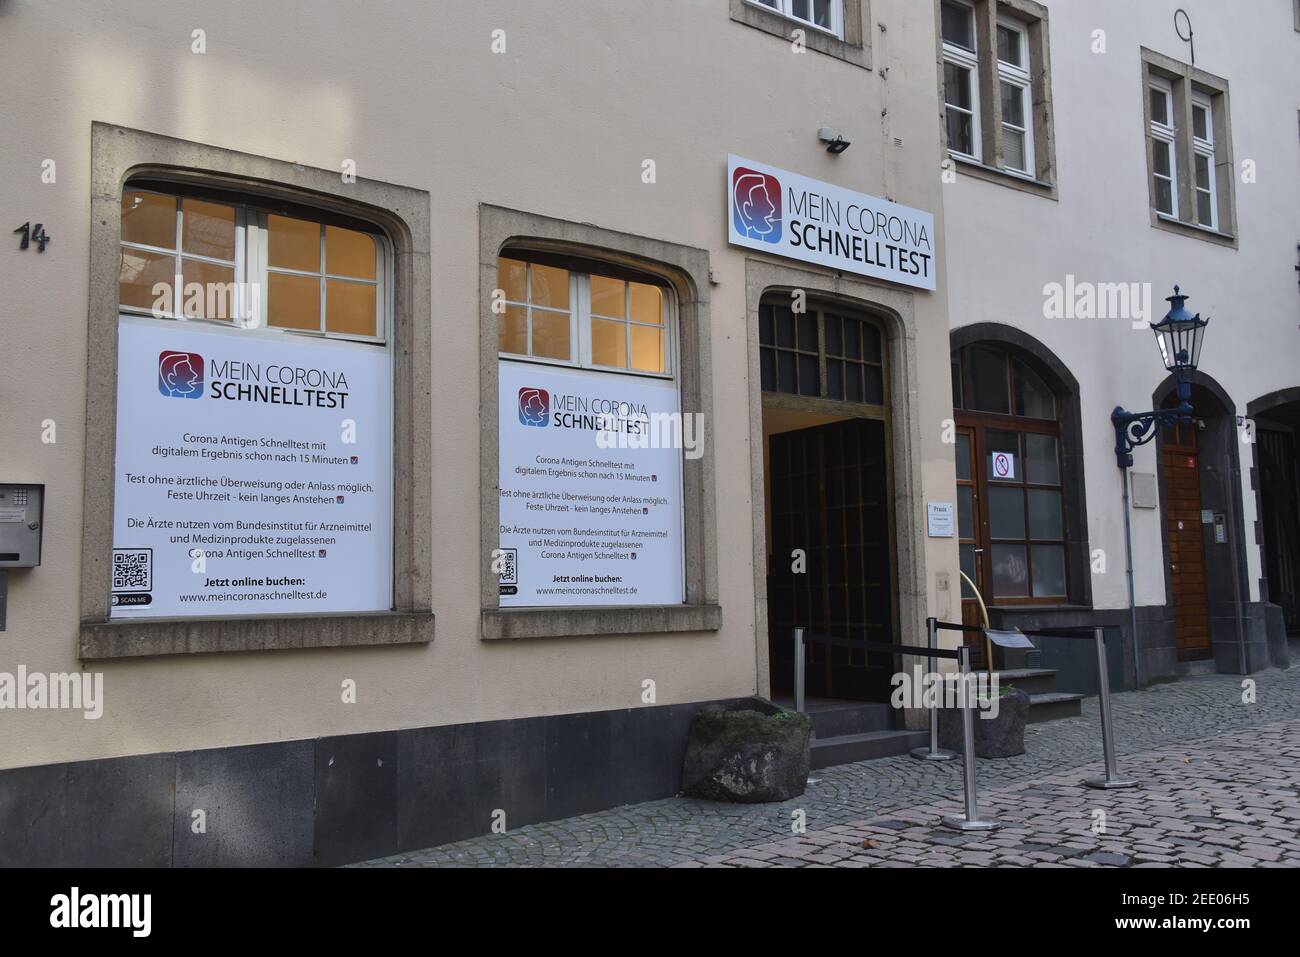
(750, 754)
(999, 737)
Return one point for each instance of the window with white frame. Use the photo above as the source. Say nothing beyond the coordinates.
(1189, 146)
(204, 257)
(1004, 43)
(584, 318)
(827, 15)
(1164, 166)
(1013, 85)
(960, 79)
(1203, 156)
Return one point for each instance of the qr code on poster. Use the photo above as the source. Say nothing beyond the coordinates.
(132, 569)
(508, 572)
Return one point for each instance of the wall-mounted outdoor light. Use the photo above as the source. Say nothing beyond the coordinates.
(835, 143)
(1179, 336)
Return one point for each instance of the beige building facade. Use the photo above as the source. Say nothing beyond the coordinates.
(350, 557)
(457, 154)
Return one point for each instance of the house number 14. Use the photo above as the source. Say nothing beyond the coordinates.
(38, 236)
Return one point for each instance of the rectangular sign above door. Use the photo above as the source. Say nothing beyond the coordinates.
(775, 211)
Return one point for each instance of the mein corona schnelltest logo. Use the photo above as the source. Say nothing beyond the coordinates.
(756, 205)
(180, 375)
(534, 407)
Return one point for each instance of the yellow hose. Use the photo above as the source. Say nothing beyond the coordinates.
(984, 614)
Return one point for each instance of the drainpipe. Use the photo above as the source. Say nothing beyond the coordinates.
(1132, 599)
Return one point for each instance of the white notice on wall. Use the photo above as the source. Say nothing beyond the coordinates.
(940, 519)
(253, 473)
(583, 524)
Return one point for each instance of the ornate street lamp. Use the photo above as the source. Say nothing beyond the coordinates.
(1179, 336)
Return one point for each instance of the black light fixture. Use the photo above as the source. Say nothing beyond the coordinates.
(1179, 335)
(835, 143)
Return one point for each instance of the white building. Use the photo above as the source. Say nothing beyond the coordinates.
(1105, 169)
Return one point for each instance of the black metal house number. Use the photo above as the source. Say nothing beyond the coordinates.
(38, 236)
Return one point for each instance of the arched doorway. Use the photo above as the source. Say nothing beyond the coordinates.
(1022, 519)
(1276, 419)
(1203, 537)
(828, 495)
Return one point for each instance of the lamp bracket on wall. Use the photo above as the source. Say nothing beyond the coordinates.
(1178, 29)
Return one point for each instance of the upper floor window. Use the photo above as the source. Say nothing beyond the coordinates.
(1164, 168)
(1013, 87)
(206, 257)
(827, 15)
(960, 79)
(1203, 159)
(584, 318)
(1002, 132)
(1189, 161)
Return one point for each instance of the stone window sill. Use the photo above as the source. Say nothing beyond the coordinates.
(769, 21)
(1012, 180)
(1195, 231)
(509, 624)
(147, 637)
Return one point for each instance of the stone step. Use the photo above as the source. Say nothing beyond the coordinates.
(847, 748)
(850, 717)
(1049, 706)
(1029, 680)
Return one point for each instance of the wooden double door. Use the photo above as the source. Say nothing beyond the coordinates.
(1185, 535)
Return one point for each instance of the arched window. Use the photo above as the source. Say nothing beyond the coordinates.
(585, 314)
(592, 442)
(1010, 477)
(198, 254)
(820, 353)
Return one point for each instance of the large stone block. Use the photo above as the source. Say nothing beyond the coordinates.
(1002, 736)
(749, 754)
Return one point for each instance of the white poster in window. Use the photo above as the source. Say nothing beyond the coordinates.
(582, 524)
(785, 214)
(1003, 466)
(253, 473)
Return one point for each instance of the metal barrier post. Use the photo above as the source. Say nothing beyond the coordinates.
(971, 821)
(798, 669)
(1112, 778)
(933, 752)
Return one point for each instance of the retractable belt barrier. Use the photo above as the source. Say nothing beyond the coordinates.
(1111, 778)
(971, 820)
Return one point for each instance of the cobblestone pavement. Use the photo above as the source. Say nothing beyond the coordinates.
(1207, 759)
(1231, 801)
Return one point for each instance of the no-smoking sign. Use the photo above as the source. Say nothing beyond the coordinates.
(1004, 465)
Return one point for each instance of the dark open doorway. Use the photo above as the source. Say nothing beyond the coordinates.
(1277, 451)
(828, 510)
(829, 501)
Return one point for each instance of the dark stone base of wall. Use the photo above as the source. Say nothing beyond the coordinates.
(1157, 652)
(341, 799)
